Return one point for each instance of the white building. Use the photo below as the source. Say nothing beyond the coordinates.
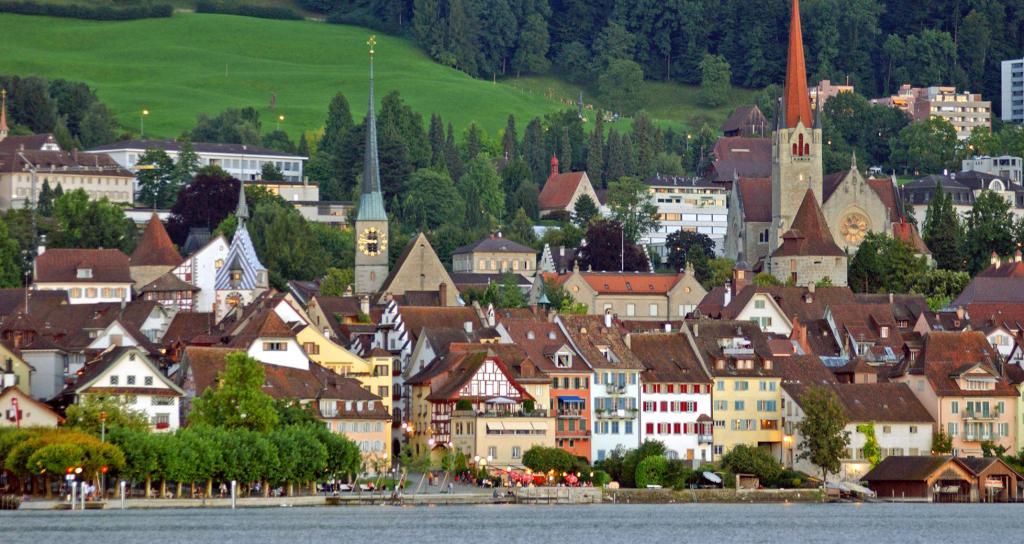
(687, 204)
(244, 162)
(200, 270)
(615, 387)
(1005, 167)
(87, 275)
(675, 396)
(129, 373)
(1013, 91)
(901, 424)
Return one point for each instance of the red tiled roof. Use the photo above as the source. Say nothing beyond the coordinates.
(155, 247)
(667, 358)
(590, 336)
(945, 355)
(546, 339)
(881, 402)
(631, 283)
(742, 157)
(558, 190)
(1005, 269)
(887, 193)
(61, 265)
(809, 233)
(907, 233)
(756, 198)
(187, 325)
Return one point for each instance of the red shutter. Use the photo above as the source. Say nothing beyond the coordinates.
(683, 388)
(664, 406)
(671, 388)
(650, 428)
(677, 428)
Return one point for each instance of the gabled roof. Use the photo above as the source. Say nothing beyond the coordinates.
(541, 340)
(155, 247)
(744, 120)
(242, 257)
(558, 190)
(460, 374)
(494, 244)
(756, 199)
(742, 157)
(714, 340)
(590, 336)
(110, 357)
(428, 277)
(62, 265)
(907, 468)
(22, 397)
(624, 283)
(264, 324)
(167, 283)
(417, 318)
(802, 372)
(809, 234)
(667, 358)
(991, 289)
(881, 402)
(187, 325)
(947, 355)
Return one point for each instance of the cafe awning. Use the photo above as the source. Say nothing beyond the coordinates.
(570, 399)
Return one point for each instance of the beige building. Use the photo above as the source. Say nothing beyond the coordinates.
(367, 423)
(633, 295)
(500, 437)
(14, 371)
(964, 110)
(419, 270)
(561, 191)
(28, 161)
(21, 410)
(495, 255)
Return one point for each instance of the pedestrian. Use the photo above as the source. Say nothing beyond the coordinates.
(223, 489)
(451, 487)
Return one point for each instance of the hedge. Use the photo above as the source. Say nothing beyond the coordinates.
(235, 7)
(83, 11)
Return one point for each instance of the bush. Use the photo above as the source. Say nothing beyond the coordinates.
(632, 460)
(541, 459)
(789, 479)
(651, 471)
(121, 12)
(678, 475)
(745, 459)
(235, 7)
(601, 478)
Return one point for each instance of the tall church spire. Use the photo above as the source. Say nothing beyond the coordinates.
(3, 115)
(796, 100)
(371, 202)
(242, 211)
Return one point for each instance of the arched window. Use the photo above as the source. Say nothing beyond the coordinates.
(795, 150)
(801, 146)
(807, 149)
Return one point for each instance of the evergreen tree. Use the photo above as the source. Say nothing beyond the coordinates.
(515, 174)
(630, 204)
(455, 165)
(989, 229)
(473, 141)
(615, 165)
(510, 139)
(535, 152)
(435, 134)
(595, 151)
(332, 163)
(45, 200)
(584, 211)
(302, 149)
(565, 151)
(531, 52)
(430, 200)
(942, 231)
(10, 259)
(628, 155)
(521, 228)
(480, 186)
(158, 185)
(644, 145)
(186, 166)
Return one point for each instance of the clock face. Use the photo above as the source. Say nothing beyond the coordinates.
(372, 242)
(853, 227)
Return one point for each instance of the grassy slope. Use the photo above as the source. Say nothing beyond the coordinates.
(176, 69)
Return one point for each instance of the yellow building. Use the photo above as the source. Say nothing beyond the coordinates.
(747, 392)
(14, 371)
(374, 374)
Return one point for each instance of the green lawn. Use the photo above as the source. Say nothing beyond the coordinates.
(191, 63)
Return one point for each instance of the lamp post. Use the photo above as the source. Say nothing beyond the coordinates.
(103, 426)
(142, 123)
(280, 119)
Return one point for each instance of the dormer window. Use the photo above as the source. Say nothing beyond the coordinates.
(767, 364)
(884, 333)
(720, 364)
(563, 360)
(84, 273)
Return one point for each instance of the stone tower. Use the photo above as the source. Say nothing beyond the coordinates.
(371, 262)
(796, 142)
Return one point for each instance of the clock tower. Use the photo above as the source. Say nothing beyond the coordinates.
(371, 262)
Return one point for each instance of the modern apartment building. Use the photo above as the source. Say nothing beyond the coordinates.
(1013, 91)
(687, 204)
(1005, 167)
(964, 110)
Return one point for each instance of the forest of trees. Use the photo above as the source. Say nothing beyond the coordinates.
(877, 44)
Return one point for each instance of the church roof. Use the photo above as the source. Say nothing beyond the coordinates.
(429, 277)
(241, 256)
(371, 201)
(558, 190)
(797, 101)
(809, 234)
(742, 157)
(756, 199)
(155, 247)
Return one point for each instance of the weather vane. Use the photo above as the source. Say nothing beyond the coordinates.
(372, 42)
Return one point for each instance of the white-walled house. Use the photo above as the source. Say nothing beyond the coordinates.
(200, 270)
(87, 275)
(129, 373)
(266, 338)
(902, 425)
(675, 396)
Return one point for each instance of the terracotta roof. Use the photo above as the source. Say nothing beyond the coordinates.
(624, 283)
(12, 300)
(540, 340)
(905, 307)
(667, 358)
(558, 190)
(864, 322)
(417, 318)
(459, 369)
(494, 244)
(991, 289)
(809, 234)
(946, 355)
(713, 303)
(62, 265)
(797, 100)
(801, 372)
(590, 336)
(830, 182)
(742, 157)
(187, 325)
(167, 283)
(263, 324)
(906, 468)
(155, 247)
(800, 302)
(881, 402)
(756, 199)
(108, 358)
(978, 465)
(887, 193)
(907, 233)
(730, 341)
(986, 315)
(1010, 268)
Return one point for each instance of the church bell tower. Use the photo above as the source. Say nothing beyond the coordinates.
(371, 262)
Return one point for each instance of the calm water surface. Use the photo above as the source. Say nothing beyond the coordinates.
(861, 524)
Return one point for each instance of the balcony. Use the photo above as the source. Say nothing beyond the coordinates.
(982, 416)
(704, 439)
(569, 414)
(576, 434)
(614, 388)
(499, 414)
(616, 414)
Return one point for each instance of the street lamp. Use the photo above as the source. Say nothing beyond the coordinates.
(142, 123)
(280, 119)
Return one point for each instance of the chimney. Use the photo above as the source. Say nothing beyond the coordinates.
(739, 280)
(364, 304)
(74, 154)
(728, 293)
(608, 319)
(442, 293)
(554, 165)
(468, 326)
(960, 313)
(696, 330)
(891, 297)
(799, 334)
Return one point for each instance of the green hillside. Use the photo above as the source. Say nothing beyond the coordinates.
(192, 63)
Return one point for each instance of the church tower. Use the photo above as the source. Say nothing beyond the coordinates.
(371, 263)
(796, 142)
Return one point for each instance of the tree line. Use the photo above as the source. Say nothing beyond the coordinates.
(70, 110)
(877, 44)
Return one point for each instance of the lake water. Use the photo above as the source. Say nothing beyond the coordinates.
(698, 523)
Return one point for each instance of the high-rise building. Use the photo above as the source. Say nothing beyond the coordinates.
(1013, 91)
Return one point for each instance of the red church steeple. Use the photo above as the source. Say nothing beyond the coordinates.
(797, 102)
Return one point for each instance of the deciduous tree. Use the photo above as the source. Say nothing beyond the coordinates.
(823, 438)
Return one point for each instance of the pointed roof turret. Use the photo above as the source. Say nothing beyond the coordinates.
(796, 101)
(155, 247)
(809, 234)
(3, 115)
(371, 202)
(242, 211)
